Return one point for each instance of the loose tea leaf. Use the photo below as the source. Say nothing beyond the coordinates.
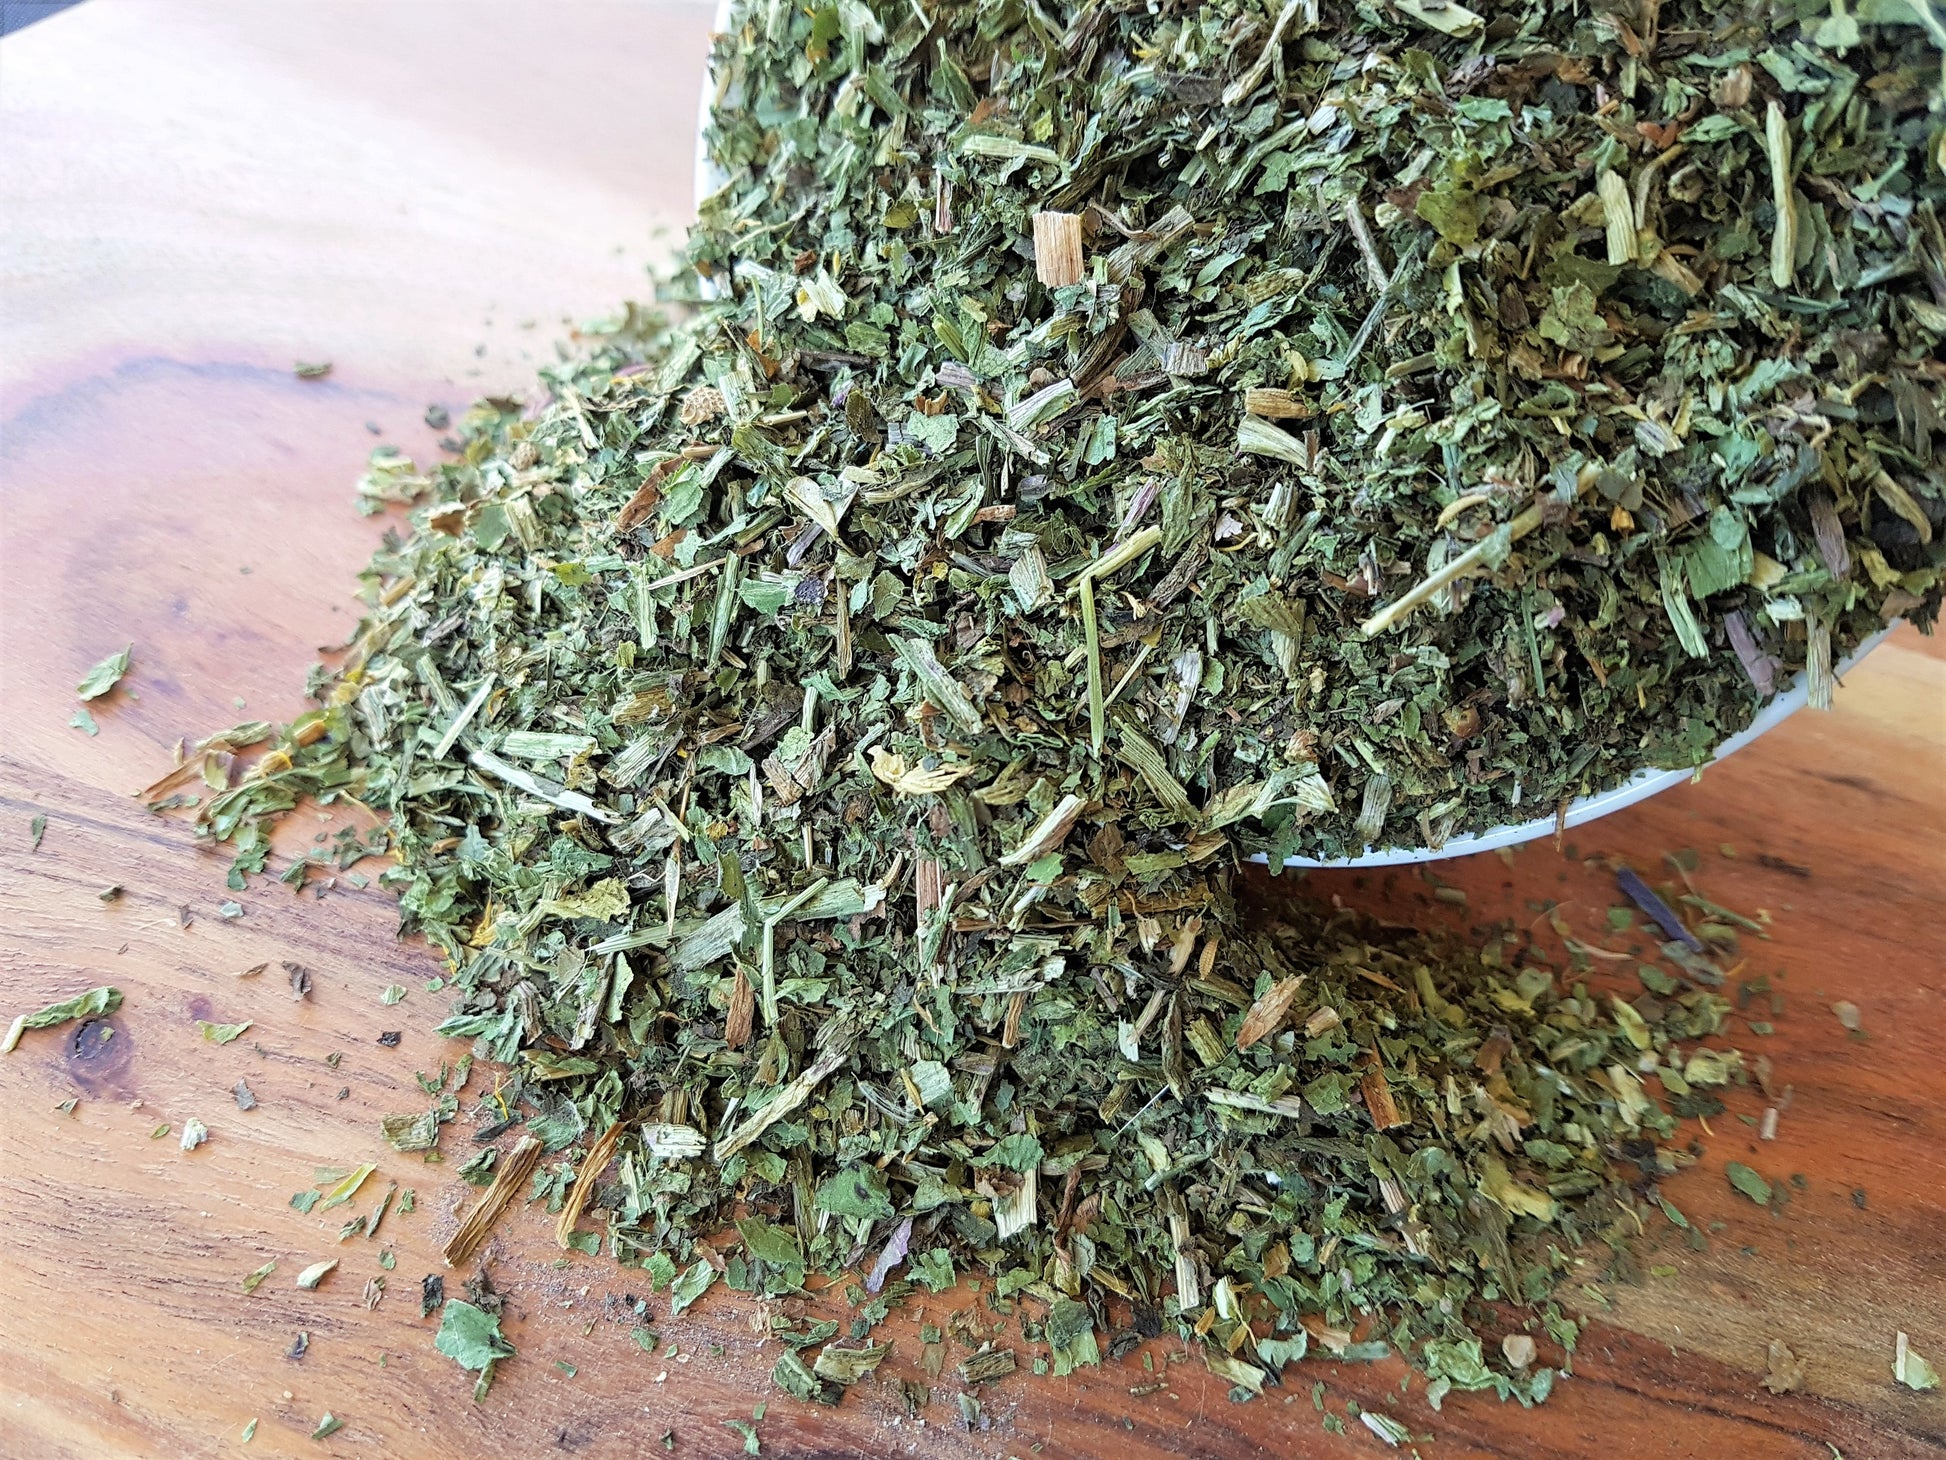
(1910, 1369)
(343, 1185)
(1784, 1371)
(1383, 1425)
(690, 1285)
(94, 1004)
(222, 1033)
(1748, 1182)
(104, 676)
(470, 1336)
(315, 1273)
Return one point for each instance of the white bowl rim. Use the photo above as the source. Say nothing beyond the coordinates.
(1583, 809)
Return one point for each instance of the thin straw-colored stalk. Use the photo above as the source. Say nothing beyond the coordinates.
(507, 1182)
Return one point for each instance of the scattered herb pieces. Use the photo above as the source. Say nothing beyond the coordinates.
(811, 732)
(314, 1274)
(255, 1279)
(222, 1033)
(1646, 898)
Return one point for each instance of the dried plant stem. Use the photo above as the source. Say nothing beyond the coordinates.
(486, 1211)
(592, 1165)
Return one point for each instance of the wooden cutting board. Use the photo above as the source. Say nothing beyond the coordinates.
(196, 196)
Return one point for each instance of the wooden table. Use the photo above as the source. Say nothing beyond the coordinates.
(197, 194)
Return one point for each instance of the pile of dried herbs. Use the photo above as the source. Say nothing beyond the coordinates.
(818, 734)
(1631, 310)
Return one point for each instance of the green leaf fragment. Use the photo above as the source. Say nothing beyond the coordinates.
(858, 1192)
(690, 1285)
(104, 676)
(410, 1133)
(346, 1188)
(1748, 1182)
(1910, 1368)
(96, 1003)
(849, 1365)
(1070, 1332)
(471, 1336)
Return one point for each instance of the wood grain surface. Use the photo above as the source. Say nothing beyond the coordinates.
(194, 196)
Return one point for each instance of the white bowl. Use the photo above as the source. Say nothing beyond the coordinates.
(1638, 787)
(709, 177)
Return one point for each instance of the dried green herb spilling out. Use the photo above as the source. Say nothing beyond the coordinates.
(1478, 410)
(818, 734)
